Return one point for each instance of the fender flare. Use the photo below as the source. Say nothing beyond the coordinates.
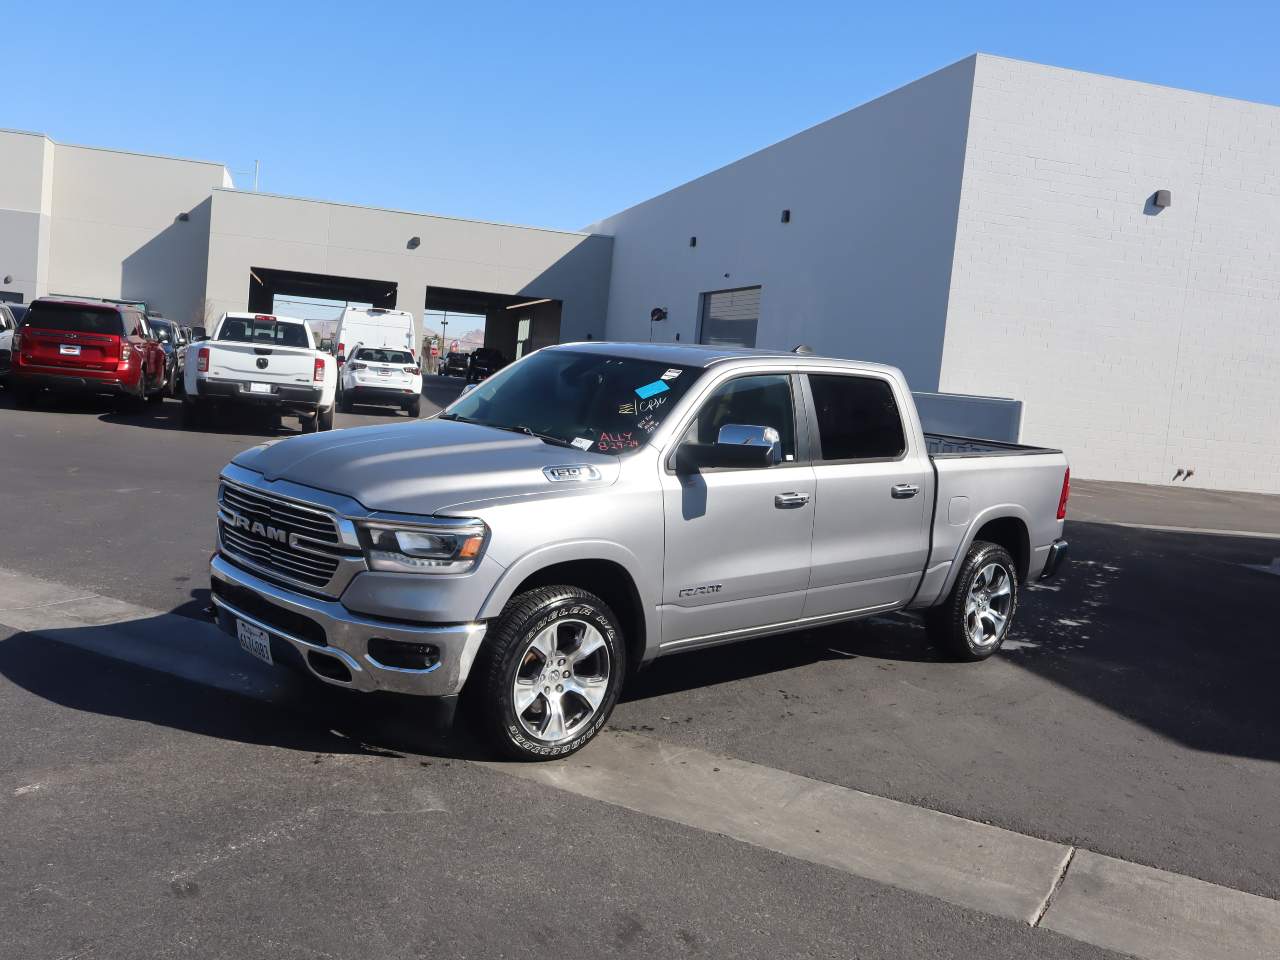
(550, 554)
(1000, 511)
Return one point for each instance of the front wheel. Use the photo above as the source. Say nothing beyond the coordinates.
(974, 620)
(550, 672)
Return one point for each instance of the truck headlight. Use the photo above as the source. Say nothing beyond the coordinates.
(452, 548)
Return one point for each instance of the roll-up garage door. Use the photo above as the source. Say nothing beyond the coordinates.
(729, 317)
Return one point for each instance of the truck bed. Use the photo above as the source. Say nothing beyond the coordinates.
(943, 446)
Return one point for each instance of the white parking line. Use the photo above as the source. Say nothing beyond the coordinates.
(1100, 900)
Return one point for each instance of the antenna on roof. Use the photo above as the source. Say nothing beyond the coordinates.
(802, 348)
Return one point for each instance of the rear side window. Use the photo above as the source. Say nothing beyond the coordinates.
(73, 318)
(268, 333)
(858, 418)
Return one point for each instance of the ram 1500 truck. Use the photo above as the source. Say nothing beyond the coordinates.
(257, 359)
(594, 506)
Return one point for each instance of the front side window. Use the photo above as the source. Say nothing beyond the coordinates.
(754, 401)
(267, 333)
(591, 401)
(858, 418)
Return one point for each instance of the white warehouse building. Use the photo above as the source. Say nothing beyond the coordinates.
(1105, 252)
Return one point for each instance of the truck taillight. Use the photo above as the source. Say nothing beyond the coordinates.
(1066, 492)
(342, 351)
(202, 360)
(319, 374)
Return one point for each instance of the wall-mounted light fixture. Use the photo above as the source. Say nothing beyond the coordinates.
(693, 241)
(414, 243)
(1162, 198)
(786, 216)
(8, 279)
(184, 217)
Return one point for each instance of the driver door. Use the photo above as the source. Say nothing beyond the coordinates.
(738, 540)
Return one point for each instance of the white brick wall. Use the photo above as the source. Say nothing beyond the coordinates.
(1140, 342)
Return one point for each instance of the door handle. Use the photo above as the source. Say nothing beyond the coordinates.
(787, 501)
(904, 491)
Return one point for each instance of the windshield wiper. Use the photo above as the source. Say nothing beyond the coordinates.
(528, 432)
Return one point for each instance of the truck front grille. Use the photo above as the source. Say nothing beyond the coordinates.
(286, 538)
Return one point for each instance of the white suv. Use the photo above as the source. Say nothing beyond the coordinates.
(384, 376)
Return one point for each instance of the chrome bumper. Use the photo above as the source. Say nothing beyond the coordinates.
(347, 637)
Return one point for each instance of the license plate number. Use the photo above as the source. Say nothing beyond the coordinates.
(384, 373)
(69, 350)
(254, 641)
(259, 388)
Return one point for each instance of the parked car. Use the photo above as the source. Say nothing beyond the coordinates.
(8, 324)
(374, 327)
(484, 363)
(455, 364)
(262, 360)
(376, 375)
(170, 336)
(89, 346)
(595, 506)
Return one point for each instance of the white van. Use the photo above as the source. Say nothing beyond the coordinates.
(377, 328)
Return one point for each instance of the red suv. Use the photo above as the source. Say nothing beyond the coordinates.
(89, 346)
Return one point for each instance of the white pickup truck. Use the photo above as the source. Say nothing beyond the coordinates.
(261, 360)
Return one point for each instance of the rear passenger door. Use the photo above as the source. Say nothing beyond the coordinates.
(870, 539)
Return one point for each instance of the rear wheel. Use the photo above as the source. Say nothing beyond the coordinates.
(550, 672)
(324, 419)
(344, 402)
(977, 615)
(308, 424)
(414, 408)
(194, 414)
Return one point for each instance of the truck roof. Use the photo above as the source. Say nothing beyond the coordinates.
(250, 315)
(702, 355)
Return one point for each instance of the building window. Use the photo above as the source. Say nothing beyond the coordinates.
(728, 318)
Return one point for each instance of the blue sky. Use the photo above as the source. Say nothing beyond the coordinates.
(552, 114)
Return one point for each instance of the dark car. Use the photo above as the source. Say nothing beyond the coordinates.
(90, 346)
(173, 343)
(485, 362)
(454, 365)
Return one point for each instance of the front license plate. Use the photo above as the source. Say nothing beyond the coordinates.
(254, 641)
(259, 388)
(69, 350)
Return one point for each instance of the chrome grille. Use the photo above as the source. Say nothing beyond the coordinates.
(309, 562)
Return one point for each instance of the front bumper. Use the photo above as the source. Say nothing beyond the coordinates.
(281, 395)
(332, 643)
(1057, 554)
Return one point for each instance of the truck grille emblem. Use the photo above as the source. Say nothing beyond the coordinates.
(258, 528)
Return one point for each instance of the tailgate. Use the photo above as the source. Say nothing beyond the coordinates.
(70, 350)
(246, 362)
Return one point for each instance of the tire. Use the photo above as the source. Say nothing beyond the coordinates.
(344, 402)
(414, 409)
(324, 419)
(554, 620)
(23, 396)
(966, 627)
(309, 424)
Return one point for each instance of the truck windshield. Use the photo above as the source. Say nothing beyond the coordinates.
(266, 332)
(587, 400)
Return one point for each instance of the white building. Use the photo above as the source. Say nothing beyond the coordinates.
(992, 229)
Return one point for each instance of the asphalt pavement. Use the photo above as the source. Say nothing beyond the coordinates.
(154, 812)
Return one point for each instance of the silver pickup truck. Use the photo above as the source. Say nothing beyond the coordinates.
(596, 505)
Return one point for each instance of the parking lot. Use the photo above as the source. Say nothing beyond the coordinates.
(167, 795)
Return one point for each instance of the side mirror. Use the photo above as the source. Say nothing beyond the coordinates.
(738, 445)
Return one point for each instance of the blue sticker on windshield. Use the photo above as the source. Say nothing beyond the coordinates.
(649, 389)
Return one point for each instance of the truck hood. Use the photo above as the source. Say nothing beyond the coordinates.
(424, 467)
